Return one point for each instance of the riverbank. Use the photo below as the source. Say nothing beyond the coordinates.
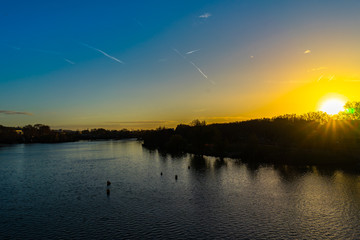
(281, 140)
(278, 141)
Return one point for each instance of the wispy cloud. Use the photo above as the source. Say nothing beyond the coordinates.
(67, 60)
(11, 46)
(14, 112)
(139, 23)
(151, 124)
(141, 122)
(205, 15)
(307, 51)
(200, 71)
(329, 78)
(15, 48)
(199, 110)
(227, 119)
(190, 52)
(104, 53)
(317, 69)
(177, 51)
(44, 51)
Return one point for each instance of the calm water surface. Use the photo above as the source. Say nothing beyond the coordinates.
(57, 191)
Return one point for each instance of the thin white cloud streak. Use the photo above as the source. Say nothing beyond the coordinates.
(141, 122)
(317, 69)
(190, 52)
(226, 118)
(200, 71)
(179, 53)
(139, 23)
(307, 51)
(199, 110)
(46, 52)
(205, 15)
(14, 112)
(67, 60)
(104, 53)
(11, 46)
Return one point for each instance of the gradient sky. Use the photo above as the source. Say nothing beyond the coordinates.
(144, 64)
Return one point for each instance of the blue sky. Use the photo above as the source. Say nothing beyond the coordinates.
(142, 64)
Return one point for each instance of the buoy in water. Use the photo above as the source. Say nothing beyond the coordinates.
(108, 183)
(175, 177)
(161, 173)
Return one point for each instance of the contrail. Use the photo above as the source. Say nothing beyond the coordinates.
(139, 23)
(14, 112)
(11, 46)
(179, 53)
(190, 52)
(104, 53)
(202, 73)
(199, 69)
(67, 60)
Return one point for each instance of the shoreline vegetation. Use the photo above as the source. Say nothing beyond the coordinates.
(314, 138)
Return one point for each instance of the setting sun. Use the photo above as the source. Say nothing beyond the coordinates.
(332, 106)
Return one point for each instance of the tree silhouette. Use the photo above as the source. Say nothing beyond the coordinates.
(351, 112)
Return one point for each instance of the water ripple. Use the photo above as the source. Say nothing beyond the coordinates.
(59, 192)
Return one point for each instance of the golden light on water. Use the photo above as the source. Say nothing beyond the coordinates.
(332, 105)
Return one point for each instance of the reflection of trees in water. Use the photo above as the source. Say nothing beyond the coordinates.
(219, 162)
(291, 173)
(198, 162)
(253, 166)
(163, 156)
(179, 155)
(148, 150)
(252, 169)
(201, 163)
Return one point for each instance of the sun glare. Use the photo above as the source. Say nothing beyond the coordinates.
(332, 106)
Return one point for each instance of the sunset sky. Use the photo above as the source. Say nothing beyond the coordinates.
(144, 64)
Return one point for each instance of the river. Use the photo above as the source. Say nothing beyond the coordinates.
(59, 191)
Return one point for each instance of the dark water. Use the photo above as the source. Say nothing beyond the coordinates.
(58, 191)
